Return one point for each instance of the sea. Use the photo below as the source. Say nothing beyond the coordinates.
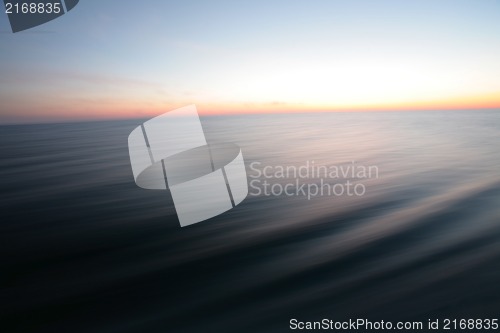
(84, 249)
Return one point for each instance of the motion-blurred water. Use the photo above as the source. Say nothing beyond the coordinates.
(86, 250)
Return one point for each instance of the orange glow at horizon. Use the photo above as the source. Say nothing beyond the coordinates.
(485, 101)
(112, 108)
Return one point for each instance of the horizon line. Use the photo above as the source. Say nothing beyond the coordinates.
(210, 113)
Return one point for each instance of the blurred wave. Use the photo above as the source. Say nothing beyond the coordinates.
(85, 250)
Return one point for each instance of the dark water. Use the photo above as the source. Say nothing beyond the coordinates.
(85, 250)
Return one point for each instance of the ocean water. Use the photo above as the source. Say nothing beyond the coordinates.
(85, 250)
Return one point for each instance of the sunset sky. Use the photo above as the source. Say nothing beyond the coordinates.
(115, 59)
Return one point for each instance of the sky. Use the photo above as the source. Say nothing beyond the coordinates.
(122, 59)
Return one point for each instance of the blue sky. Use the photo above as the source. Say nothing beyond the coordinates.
(112, 58)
